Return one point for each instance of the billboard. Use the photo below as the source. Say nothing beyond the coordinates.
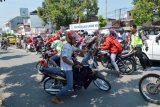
(84, 26)
(24, 12)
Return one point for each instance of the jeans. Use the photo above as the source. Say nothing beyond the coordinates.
(53, 58)
(69, 78)
(52, 70)
(113, 61)
(86, 58)
(69, 85)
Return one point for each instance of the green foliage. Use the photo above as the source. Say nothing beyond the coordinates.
(4, 34)
(2, 0)
(145, 10)
(64, 12)
(102, 21)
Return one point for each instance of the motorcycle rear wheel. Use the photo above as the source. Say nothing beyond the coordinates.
(127, 66)
(52, 86)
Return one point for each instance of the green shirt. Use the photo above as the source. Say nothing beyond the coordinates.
(57, 44)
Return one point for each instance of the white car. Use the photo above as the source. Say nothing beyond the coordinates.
(153, 52)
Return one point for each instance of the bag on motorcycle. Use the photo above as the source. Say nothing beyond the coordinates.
(81, 75)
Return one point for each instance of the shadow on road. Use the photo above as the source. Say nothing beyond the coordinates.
(4, 52)
(21, 90)
(12, 57)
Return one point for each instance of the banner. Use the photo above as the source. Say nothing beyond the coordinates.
(84, 26)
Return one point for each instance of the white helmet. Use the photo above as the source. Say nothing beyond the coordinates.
(105, 32)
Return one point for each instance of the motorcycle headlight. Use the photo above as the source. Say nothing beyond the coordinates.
(90, 61)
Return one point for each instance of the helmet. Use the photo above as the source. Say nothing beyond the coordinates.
(112, 32)
(105, 32)
(56, 35)
(72, 35)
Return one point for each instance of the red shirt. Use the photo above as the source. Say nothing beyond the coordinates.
(29, 40)
(48, 40)
(111, 44)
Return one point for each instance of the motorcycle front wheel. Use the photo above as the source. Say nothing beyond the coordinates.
(102, 83)
(127, 66)
(149, 87)
(39, 66)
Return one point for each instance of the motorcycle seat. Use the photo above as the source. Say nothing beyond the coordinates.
(103, 52)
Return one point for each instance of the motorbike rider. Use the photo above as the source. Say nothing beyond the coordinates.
(91, 44)
(3, 43)
(39, 44)
(66, 65)
(113, 45)
(48, 40)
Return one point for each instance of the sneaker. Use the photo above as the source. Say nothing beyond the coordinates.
(57, 100)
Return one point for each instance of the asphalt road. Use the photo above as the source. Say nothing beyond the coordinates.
(20, 87)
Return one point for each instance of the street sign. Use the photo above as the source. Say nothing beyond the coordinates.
(24, 12)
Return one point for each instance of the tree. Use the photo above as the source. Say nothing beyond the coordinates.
(2, 0)
(91, 8)
(145, 10)
(64, 12)
(102, 21)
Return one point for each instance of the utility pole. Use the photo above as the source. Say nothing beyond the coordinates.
(106, 9)
(120, 17)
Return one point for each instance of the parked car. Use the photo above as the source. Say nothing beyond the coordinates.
(153, 52)
(12, 39)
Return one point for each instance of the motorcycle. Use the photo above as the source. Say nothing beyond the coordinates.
(82, 77)
(4, 47)
(46, 54)
(124, 61)
(31, 47)
(149, 87)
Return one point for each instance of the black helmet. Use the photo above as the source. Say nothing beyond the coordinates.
(112, 32)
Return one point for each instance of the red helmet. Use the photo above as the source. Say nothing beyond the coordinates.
(72, 35)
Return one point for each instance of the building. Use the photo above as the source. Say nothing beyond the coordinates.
(37, 25)
(11, 25)
(124, 22)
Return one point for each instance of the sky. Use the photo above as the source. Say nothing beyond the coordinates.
(11, 8)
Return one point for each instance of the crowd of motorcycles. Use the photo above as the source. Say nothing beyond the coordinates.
(126, 61)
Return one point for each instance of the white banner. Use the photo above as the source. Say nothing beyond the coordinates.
(84, 26)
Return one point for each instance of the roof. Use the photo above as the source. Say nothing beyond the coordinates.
(35, 12)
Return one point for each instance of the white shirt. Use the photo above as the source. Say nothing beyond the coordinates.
(67, 51)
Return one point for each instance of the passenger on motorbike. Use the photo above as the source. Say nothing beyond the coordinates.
(113, 45)
(56, 36)
(57, 46)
